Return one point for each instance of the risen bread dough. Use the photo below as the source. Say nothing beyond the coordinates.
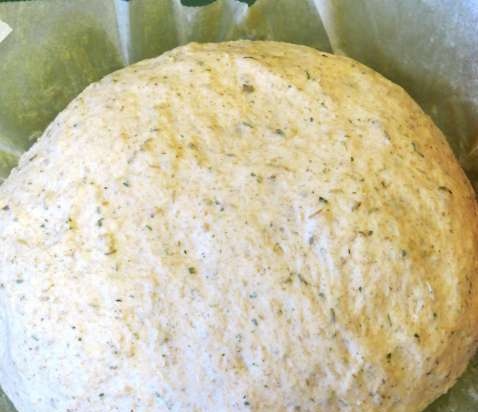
(237, 226)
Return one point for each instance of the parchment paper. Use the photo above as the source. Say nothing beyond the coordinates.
(57, 47)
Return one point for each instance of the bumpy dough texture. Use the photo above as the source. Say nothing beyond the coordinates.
(239, 226)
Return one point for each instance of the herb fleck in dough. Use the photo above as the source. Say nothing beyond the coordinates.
(237, 226)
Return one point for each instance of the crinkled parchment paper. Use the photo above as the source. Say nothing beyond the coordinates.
(50, 50)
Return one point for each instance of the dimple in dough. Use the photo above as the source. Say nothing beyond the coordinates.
(242, 226)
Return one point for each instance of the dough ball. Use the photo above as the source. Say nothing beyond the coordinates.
(243, 226)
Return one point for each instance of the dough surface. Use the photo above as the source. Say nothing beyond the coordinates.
(237, 226)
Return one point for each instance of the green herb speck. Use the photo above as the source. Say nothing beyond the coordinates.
(365, 233)
(247, 88)
(414, 145)
(356, 205)
(445, 189)
(332, 315)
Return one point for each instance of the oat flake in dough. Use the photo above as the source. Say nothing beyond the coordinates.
(238, 226)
